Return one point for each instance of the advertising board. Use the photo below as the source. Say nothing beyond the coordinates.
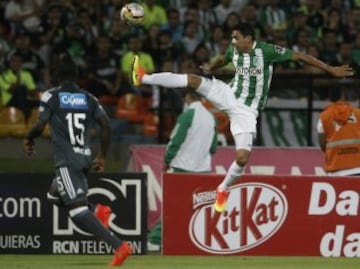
(30, 224)
(265, 161)
(265, 215)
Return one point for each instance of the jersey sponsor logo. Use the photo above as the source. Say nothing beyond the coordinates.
(249, 71)
(73, 100)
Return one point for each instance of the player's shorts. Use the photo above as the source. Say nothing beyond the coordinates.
(242, 118)
(72, 185)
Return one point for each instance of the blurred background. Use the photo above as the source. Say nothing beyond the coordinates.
(177, 36)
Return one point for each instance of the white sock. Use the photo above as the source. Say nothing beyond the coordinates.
(233, 173)
(166, 79)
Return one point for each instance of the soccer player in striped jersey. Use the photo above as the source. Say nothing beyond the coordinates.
(244, 96)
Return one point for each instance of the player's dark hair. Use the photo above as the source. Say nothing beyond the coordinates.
(245, 29)
(67, 69)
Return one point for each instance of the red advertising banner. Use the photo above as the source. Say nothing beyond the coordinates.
(265, 215)
(265, 161)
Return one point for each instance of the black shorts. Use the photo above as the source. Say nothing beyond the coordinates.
(72, 185)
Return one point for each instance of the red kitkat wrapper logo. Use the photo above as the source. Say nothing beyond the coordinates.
(254, 213)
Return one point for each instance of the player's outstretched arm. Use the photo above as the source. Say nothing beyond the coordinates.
(336, 71)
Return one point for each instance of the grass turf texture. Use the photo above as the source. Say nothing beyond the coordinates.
(176, 262)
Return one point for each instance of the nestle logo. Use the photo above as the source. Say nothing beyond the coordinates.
(203, 198)
(73, 100)
(254, 213)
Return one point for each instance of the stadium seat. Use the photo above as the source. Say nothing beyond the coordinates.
(108, 100)
(12, 122)
(133, 108)
(151, 125)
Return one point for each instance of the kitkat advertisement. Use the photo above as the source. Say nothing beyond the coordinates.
(266, 215)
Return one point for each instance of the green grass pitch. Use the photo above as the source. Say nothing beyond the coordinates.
(175, 262)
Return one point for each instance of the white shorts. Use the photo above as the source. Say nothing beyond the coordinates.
(242, 118)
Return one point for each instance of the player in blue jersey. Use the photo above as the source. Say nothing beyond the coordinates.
(70, 113)
(244, 96)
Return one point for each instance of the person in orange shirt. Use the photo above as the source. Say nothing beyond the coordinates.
(339, 136)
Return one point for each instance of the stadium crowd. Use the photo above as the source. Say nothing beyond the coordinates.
(177, 35)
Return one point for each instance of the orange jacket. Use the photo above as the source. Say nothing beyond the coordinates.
(341, 124)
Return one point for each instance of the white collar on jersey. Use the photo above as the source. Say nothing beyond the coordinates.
(254, 45)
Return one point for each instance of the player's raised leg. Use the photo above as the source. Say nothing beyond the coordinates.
(163, 79)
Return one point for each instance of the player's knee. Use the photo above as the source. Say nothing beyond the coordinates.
(194, 81)
(242, 157)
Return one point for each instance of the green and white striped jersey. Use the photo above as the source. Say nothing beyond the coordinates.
(254, 71)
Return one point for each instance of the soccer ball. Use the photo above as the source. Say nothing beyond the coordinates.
(132, 14)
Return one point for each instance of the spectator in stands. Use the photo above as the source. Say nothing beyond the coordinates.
(155, 14)
(315, 16)
(333, 22)
(274, 17)
(201, 54)
(191, 37)
(104, 75)
(217, 34)
(135, 45)
(207, 16)
(355, 52)
(168, 50)
(302, 40)
(249, 14)
(352, 25)
(17, 86)
(330, 46)
(231, 20)
(5, 45)
(31, 60)
(344, 56)
(243, 97)
(75, 45)
(223, 9)
(151, 41)
(174, 25)
(192, 143)
(339, 136)
(192, 15)
(89, 26)
(117, 37)
(52, 32)
(25, 14)
(297, 23)
(69, 8)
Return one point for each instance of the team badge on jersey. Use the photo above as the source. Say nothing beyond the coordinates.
(280, 50)
(45, 97)
(73, 100)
